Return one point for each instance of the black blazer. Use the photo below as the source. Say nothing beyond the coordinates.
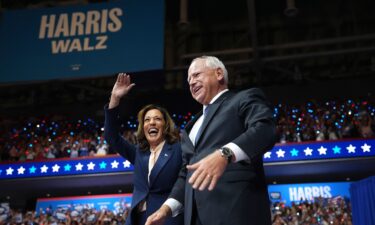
(240, 196)
(162, 177)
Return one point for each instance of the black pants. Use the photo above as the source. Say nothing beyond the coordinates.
(140, 218)
(195, 220)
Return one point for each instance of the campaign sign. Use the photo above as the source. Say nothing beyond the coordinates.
(289, 193)
(116, 203)
(95, 39)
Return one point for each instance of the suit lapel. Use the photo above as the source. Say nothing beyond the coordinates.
(186, 131)
(210, 114)
(187, 146)
(165, 155)
(145, 156)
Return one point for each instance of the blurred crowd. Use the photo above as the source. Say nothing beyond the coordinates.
(54, 137)
(61, 137)
(330, 120)
(322, 211)
(73, 215)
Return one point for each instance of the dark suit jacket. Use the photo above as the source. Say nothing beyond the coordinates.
(240, 196)
(162, 177)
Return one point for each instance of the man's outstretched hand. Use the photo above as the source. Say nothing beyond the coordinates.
(207, 171)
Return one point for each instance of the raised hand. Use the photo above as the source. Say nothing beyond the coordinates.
(121, 88)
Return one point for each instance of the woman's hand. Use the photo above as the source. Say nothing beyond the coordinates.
(159, 217)
(121, 88)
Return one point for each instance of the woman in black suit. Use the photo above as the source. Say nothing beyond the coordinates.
(156, 159)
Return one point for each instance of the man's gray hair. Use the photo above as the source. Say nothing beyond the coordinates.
(213, 63)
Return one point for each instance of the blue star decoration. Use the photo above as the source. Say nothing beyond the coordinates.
(32, 169)
(1, 171)
(336, 150)
(67, 167)
(294, 152)
(103, 165)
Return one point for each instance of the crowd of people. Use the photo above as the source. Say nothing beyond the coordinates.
(330, 120)
(58, 136)
(74, 215)
(55, 137)
(321, 211)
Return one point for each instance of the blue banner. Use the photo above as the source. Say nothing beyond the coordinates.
(115, 163)
(289, 193)
(79, 41)
(116, 203)
(321, 150)
(66, 166)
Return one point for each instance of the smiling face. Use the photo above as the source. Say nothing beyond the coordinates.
(204, 82)
(153, 127)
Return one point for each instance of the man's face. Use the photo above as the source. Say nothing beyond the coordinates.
(204, 82)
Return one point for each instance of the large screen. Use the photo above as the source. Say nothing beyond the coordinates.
(95, 39)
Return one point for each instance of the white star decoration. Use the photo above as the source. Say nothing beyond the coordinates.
(351, 148)
(322, 150)
(280, 153)
(10, 171)
(366, 148)
(126, 164)
(21, 170)
(308, 151)
(55, 168)
(114, 164)
(267, 155)
(43, 169)
(90, 166)
(79, 167)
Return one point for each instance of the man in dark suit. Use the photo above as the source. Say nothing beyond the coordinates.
(222, 178)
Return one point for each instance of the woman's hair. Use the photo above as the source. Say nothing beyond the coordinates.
(170, 132)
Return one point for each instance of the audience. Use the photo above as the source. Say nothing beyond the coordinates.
(322, 211)
(331, 120)
(80, 214)
(60, 137)
(56, 137)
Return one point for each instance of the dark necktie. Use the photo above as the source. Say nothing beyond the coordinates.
(201, 127)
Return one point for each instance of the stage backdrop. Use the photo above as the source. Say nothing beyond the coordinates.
(79, 41)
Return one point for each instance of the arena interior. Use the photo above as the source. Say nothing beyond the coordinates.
(59, 59)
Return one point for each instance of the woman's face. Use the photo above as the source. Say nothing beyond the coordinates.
(153, 127)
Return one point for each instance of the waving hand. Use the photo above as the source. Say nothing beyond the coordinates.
(121, 88)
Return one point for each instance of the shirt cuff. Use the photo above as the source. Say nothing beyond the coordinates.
(237, 152)
(176, 206)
